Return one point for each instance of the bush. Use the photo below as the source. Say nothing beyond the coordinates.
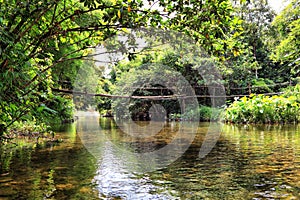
(264, 109)
(260, 85)
(28, 128)
(292, 91)
(175, 116)
(206, 113)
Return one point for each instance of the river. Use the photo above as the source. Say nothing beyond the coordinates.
(102, 159)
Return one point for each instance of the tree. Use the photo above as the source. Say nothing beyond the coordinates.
(252, 66)
(286, 42)
(257, 17)
(42, 42)
(210, 23)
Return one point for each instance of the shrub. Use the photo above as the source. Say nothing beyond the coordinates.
(264, 109)
(293, 91)
(206, 113)
(175, 116)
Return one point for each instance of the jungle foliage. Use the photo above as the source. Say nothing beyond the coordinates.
(44, 44)
(264, 109)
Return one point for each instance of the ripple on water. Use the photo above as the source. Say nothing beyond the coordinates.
(252, 163)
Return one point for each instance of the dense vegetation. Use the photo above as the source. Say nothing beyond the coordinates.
(45, 44)
(264, 109)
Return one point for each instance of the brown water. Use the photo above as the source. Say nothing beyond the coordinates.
(248, 162)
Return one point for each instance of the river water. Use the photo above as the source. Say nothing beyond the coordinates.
(99, 159)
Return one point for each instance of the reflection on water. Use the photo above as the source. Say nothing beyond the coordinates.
(48, 171)
(248, 162)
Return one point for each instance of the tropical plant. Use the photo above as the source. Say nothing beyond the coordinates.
(263, 109)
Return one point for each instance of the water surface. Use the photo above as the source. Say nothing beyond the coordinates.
(248, 162)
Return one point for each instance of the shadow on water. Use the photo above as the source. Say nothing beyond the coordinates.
(248, 162)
